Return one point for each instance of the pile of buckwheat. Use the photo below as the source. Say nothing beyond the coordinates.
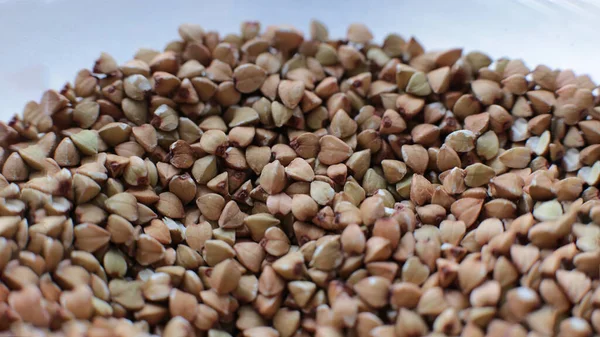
(276, 185)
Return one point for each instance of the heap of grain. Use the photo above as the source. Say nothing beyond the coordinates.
(272, 185)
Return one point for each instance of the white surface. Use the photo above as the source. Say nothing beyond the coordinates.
(44, 43)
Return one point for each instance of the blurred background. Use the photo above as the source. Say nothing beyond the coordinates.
(43, 43)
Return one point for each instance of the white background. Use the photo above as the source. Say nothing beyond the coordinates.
(44, 43)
